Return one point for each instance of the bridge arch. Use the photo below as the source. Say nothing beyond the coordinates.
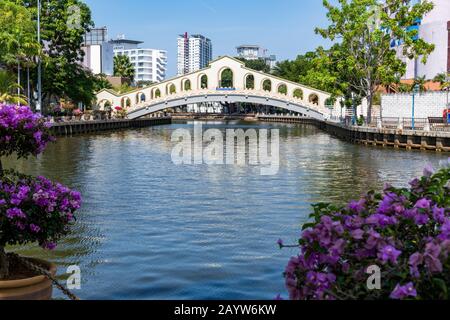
(266, 85)
(140, 97)
(203, 81)
(156, 93)
(186, 85)
(173, 102)
(103, 104)
(125, 102)
(314, 99)
(282, 89)
(170, 89)
(226, 78)
(298, 93)
(249, 81)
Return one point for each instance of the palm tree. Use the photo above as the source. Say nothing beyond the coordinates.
(123, 67)
(101, 82)
(420, 82)
(8, 89)
(404, 88)
(444, 80)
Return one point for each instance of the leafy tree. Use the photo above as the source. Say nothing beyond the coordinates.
(293, 70)
(144, 83)
(124, 88)
(63, 26)
(8, 89)
(18, 41)
(365, 30)
(322, 72)
(404, 88)
(123, 67)
(420, 84)
(257, 64)
(101, 82)
(444, 80)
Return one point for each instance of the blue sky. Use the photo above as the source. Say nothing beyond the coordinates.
(284, 27)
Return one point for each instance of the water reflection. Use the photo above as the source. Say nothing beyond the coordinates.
(151, 230)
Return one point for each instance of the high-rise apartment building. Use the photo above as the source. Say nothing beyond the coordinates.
(149, 64)
(194, 53)
(255, 52)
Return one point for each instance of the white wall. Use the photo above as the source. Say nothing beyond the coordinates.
(430, 104)
(433, 29)
(436, 33)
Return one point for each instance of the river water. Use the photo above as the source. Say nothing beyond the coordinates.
(149, 229)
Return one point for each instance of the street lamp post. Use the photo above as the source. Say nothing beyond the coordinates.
(39, 80)
(415, 91)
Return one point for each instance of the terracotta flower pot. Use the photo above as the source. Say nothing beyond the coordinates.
(35, 288)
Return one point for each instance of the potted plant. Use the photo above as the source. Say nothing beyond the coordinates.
(77, 113)
(32, 210)
(68, 108)
(87, 115)
(57, 113)
(120, 112)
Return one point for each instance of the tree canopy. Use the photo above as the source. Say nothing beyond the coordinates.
(63, 26)
(257, 64)
(364, 31)
(18, 42)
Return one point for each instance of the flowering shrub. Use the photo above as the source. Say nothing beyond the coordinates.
(120, 112)
(35, 210)
(405, 232)
(22, 131)
(77, 112)
(31, 209)
(56, 111)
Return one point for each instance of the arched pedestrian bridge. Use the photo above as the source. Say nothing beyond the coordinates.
(225, 80)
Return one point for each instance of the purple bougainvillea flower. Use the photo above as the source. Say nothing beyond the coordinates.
(431, 257)
(445, 230)
(15, 213)
(357, 234)
(34, 228)
(421, 219)
(389, 254)
(439, 214)
(20, 225)
(423, 204)
(357, 206)
(402, 292)
(381, 220)
(373, 240)
(280, 243)
(428, 171)
(414, 262)
(49, 245)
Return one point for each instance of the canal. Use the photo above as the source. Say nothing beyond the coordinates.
(149, 229)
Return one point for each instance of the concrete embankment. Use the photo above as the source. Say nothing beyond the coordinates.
(408, 139)
(81, 127)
